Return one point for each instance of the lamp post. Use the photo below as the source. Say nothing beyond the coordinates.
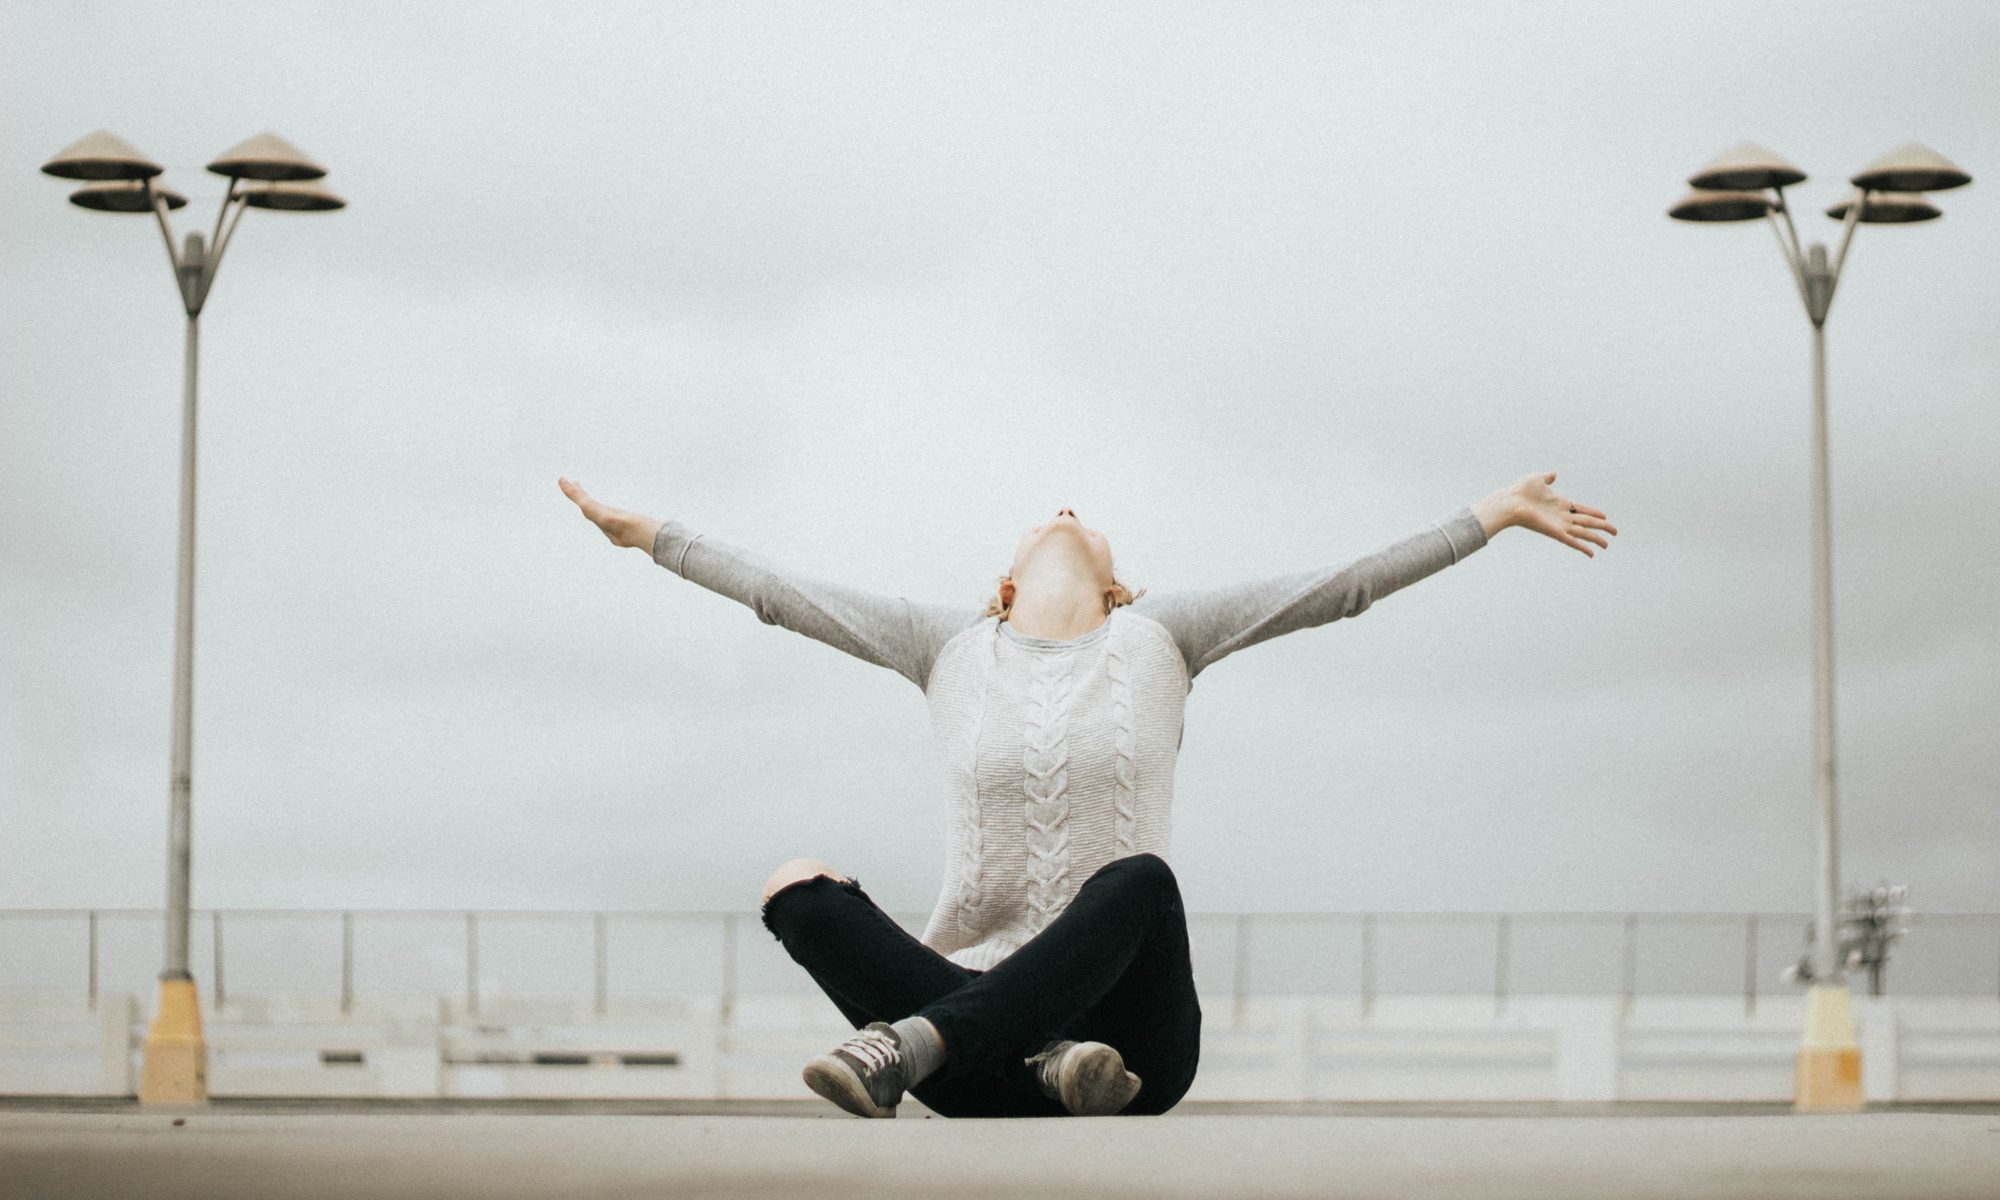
(264, 172)
(1747, 183)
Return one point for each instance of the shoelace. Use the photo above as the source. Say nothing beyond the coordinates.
(1048, 1064)
(873, 1047)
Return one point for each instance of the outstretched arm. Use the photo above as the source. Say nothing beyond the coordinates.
(1212, 624)
(888, 631)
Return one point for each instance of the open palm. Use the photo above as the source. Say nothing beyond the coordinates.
(1548, 512)
(623, 528)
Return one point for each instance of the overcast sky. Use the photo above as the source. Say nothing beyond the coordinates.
(1254, 288)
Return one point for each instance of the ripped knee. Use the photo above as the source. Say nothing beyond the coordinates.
(791, 901)
(799, 870)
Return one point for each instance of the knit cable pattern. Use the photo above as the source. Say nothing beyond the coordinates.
(971, 897)
(1124, 767)
(1045, 781)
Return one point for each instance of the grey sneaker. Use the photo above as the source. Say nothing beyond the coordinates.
(1089, 1078)
(864, 1074)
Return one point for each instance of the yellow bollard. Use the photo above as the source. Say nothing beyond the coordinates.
(176, 1062)
(1828, 1078)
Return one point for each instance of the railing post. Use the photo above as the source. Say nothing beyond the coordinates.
(1243, 925)
(471, 964)
(215, 926)
(1367, 963)
(1240, 968)
(1629, 976)
(728, 968)
(346, 962)
(601, 959)
(93, 958)
(1750, 965)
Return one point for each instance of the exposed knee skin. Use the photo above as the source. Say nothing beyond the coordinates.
(797, 871)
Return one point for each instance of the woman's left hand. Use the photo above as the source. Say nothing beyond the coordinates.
(1533, 504)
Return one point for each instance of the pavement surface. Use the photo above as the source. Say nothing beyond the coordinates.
(1494, 1152)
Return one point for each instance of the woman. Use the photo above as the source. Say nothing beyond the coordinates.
(1053, 977)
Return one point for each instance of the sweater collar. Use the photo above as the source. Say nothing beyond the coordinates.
(1008, 631)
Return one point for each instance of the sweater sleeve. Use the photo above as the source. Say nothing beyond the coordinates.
(1212, 624)
(889, 631)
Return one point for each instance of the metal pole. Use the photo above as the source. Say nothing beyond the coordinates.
(1240, 967)
(601, 962)
(1629, 976)
(1367, 963)
(1827, 969)
(1750, 965)
(346, 962)
(179, 817)
(471, 964)
(728, 967)
(215, 926)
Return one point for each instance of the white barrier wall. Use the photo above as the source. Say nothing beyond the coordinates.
(1277, 1048)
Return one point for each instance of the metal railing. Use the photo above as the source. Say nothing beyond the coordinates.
(488, 953)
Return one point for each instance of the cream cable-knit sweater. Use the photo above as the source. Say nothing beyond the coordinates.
(1060, 753)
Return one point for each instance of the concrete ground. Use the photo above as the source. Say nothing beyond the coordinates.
(1547, 1152)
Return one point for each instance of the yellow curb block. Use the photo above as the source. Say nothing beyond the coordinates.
(176, 1063)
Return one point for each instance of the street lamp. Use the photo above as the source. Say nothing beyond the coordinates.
(1747, 183)
(264, 172)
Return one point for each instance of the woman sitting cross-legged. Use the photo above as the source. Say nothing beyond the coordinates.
(1053, 977)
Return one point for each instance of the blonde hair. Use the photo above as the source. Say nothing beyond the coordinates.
(1120, 596)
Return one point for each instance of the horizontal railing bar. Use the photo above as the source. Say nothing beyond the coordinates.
(680, 914)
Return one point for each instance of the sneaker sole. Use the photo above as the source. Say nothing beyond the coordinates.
(1095, 1082)
(835, 1081)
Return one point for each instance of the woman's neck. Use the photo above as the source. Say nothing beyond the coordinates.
(1058, 614)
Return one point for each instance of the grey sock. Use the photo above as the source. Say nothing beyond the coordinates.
(923, 1049)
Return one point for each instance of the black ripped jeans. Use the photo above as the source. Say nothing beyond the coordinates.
(1113, 967)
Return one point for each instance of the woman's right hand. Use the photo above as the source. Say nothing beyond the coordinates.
(636, 530)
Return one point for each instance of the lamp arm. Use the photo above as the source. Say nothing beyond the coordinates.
(215, 235)
(158, 204)
(1791, 260)
(224, 236)
(1797, 252)
(1854, 208)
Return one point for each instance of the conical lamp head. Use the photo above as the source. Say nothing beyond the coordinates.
(102, 155)
(123, 196)
(266, 156)
(1702, 205)
(300, 195)
(1911, 168)
(1746, 166)
(1889, 208)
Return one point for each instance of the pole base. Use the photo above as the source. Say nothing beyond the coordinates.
(176, 1057)
(1828, 1073)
